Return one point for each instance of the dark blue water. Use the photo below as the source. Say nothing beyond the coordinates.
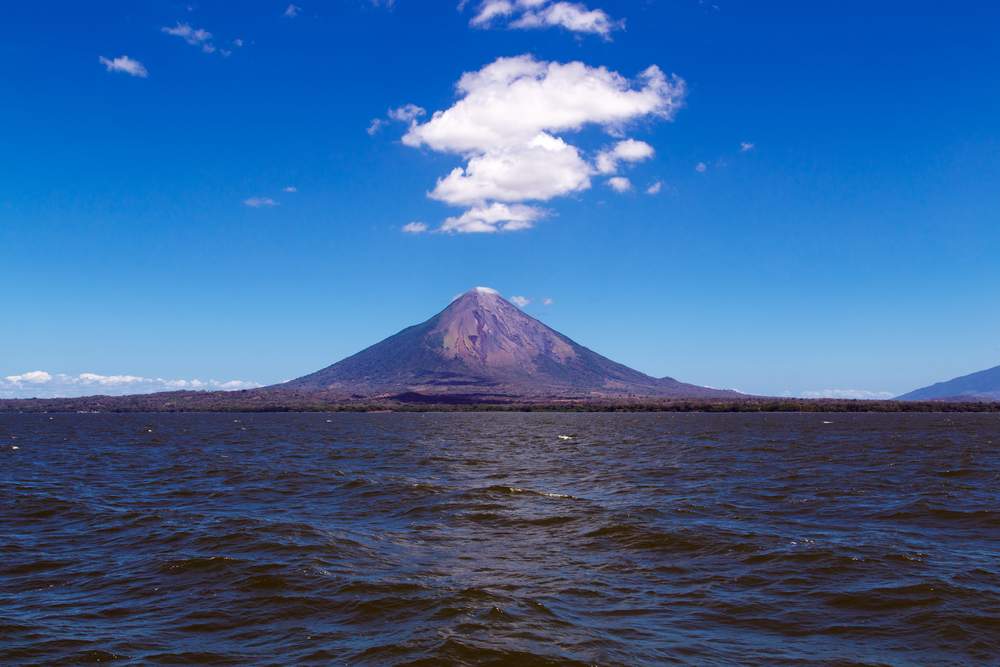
(776, 539)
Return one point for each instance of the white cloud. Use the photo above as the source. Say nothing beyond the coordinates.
(619, 184)
(629, 150)
(193, 36)
(505, 123)
(42, 384)
(238, 43)
(290, 189)
(570, 16)
(32, 377)
(533, 14)
(292, 11)
(541, 169)
(490, 10)
(495, 217)
(478, 290)
(746, 146)
(655, 188)
(197, 37)
(701, 167)
(512, 100)
(124, 64)
(547, 301)
(853, 394)
(259, 202)
(415, 228)
(233, 385)
(520, 301)
(407, 113)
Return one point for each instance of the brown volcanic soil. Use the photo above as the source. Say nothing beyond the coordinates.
(479, 353)
(481, 344)
(311, 401)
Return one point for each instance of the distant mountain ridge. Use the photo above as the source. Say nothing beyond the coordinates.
(482, 344)
(980, 386)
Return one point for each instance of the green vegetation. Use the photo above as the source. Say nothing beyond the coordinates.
(257, 401)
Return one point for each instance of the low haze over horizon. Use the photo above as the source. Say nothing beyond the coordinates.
(779, 198)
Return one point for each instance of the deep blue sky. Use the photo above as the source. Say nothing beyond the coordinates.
(855, 247)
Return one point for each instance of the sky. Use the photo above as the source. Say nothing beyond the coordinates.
(785, 198)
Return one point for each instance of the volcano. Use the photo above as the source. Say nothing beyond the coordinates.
(981, 386)
(483, 345)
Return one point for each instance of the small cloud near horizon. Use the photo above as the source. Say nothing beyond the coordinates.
(547, 301)
(851, 394)
(520, 301)
(43, 384)
(655, 188)
(291, 11)
(746, 146)
(289, 189)
(701, 167)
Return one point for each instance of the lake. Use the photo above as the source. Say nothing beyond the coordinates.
(500, 538)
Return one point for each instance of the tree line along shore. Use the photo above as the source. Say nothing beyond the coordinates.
(251, 401)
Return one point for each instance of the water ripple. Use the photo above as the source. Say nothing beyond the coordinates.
(488, 539)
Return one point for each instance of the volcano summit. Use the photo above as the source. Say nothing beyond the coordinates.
(480, 350)
(483, 345)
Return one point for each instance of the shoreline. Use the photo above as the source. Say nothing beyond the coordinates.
(253, 402)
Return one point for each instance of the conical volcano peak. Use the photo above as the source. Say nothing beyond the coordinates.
(483, 344)
(478, 293)
(483, 330)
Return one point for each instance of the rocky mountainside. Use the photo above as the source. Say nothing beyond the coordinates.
(482, 344)
(981, 386)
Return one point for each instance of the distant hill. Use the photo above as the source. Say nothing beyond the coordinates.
(981, 386)
(483, 345)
